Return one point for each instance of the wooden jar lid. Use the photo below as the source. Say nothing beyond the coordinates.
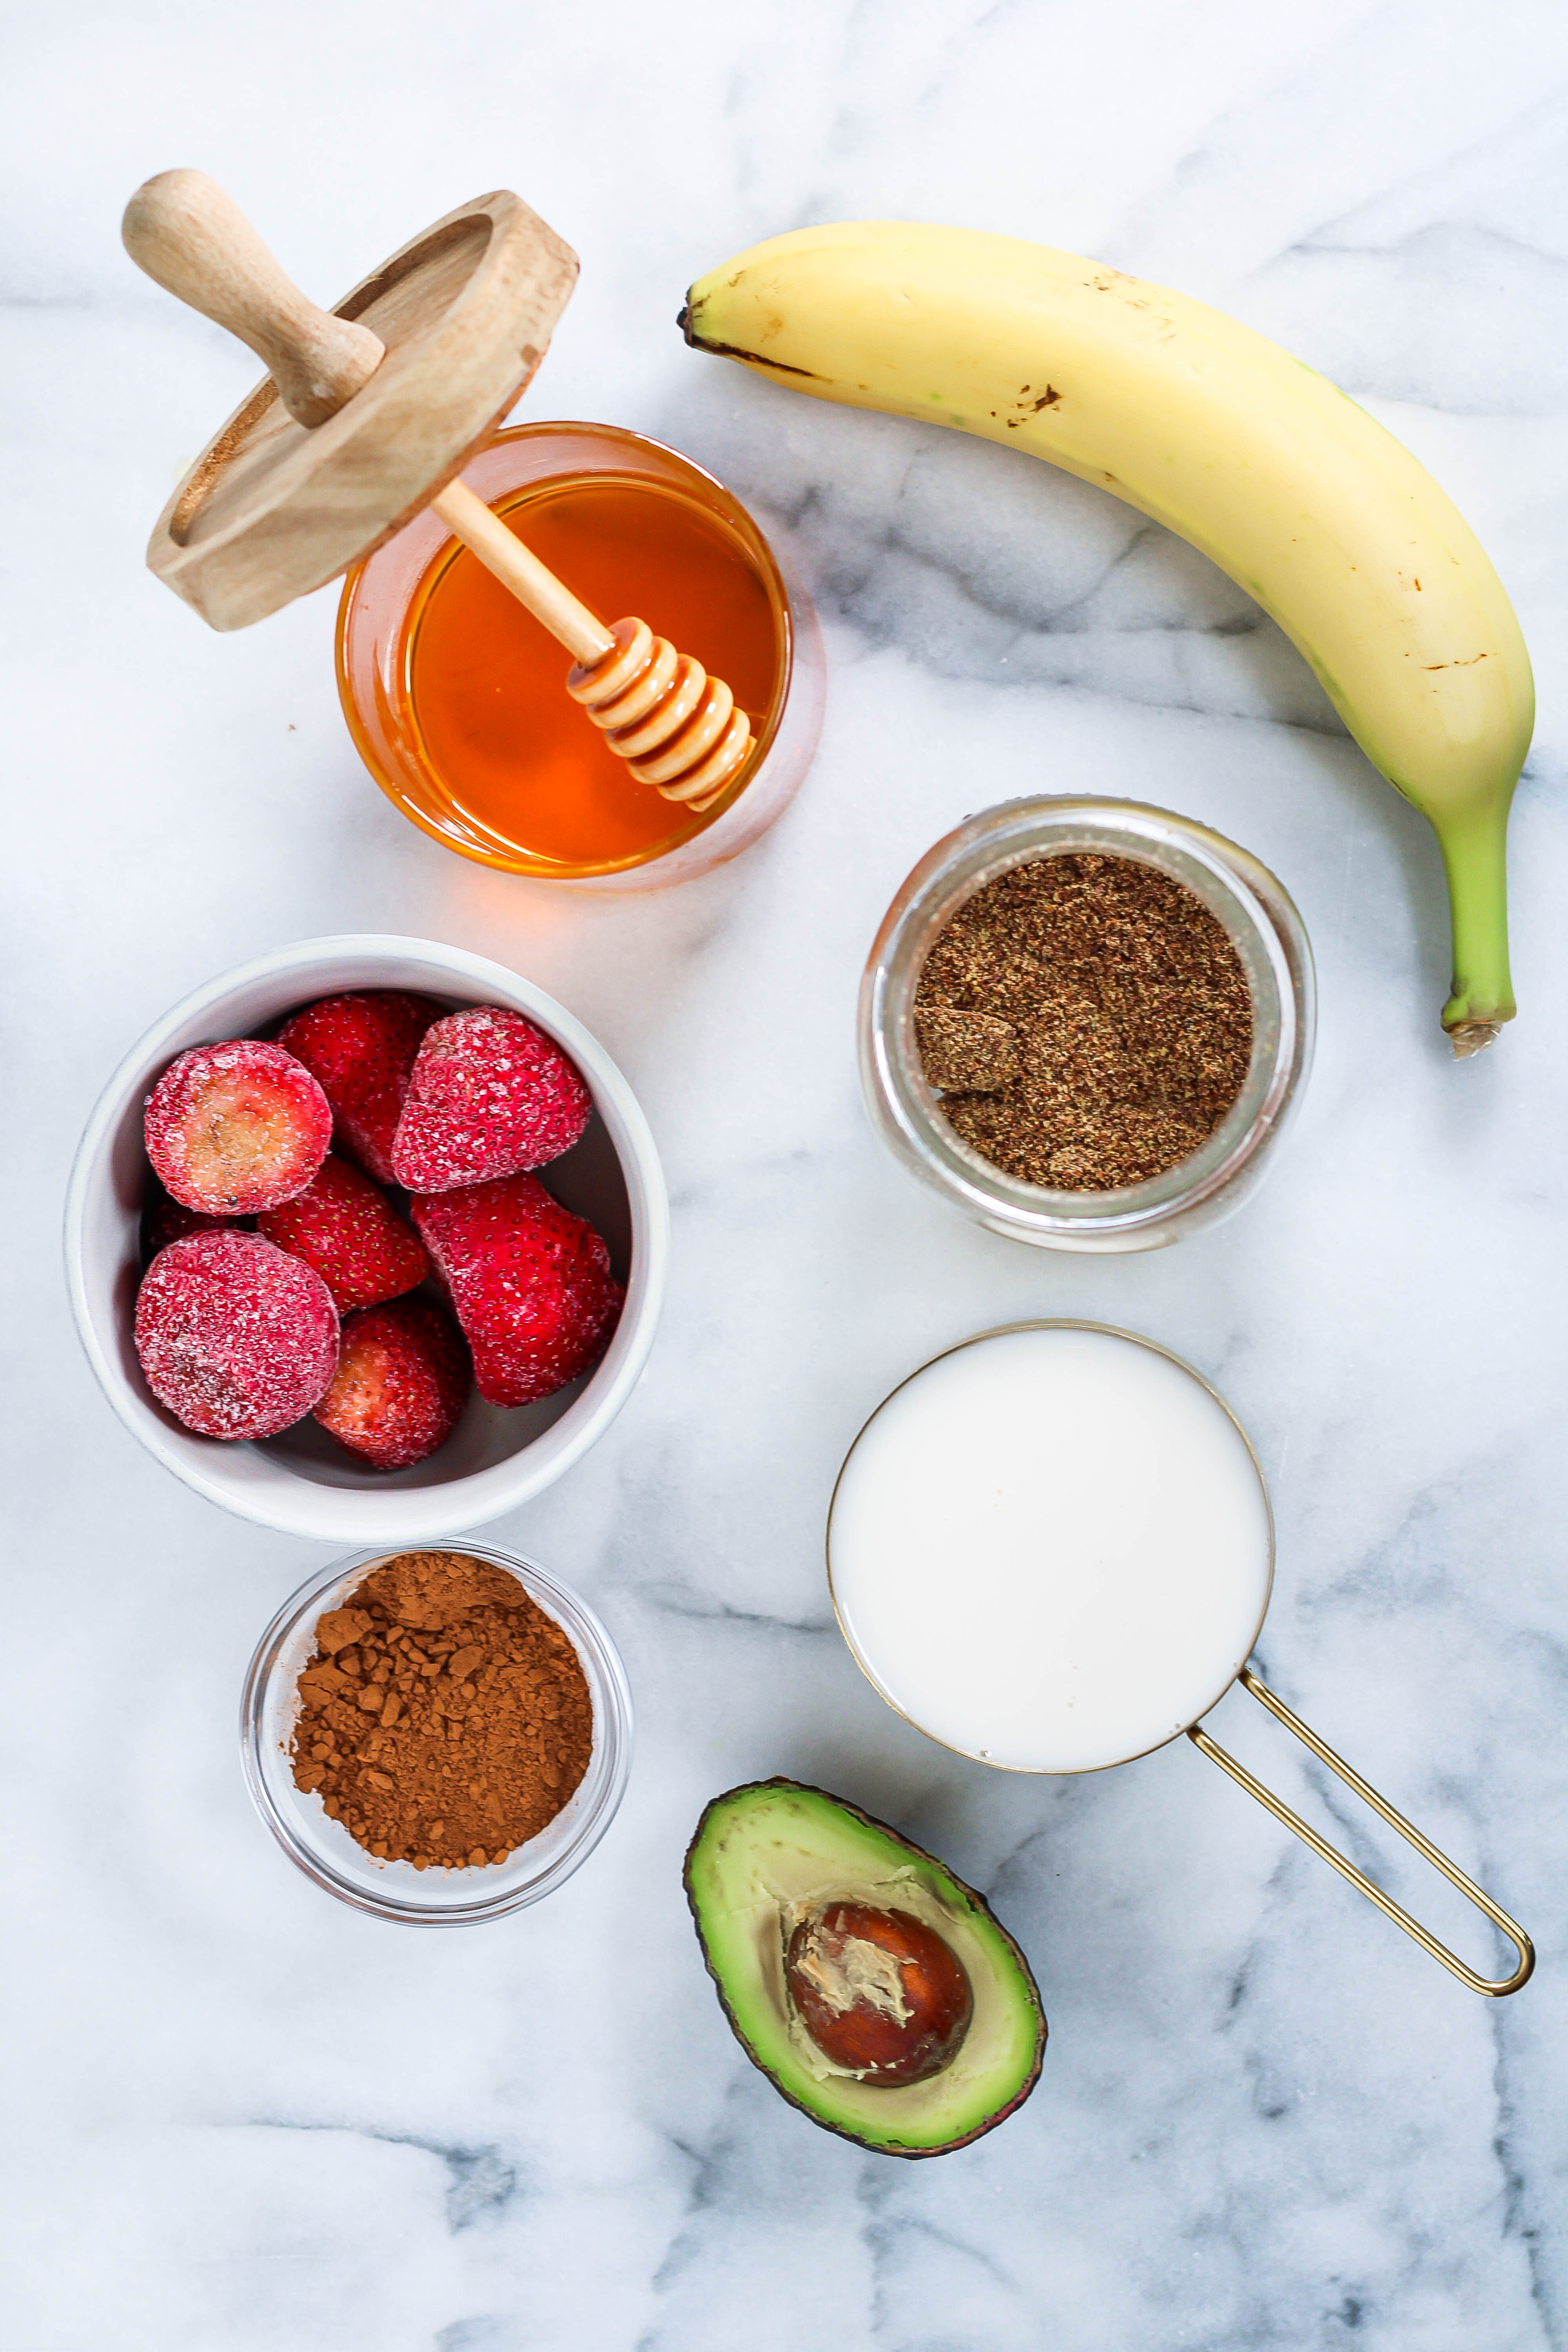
(271, 509)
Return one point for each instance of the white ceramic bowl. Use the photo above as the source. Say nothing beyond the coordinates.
(301, 1482)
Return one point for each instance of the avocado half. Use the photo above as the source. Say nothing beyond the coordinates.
(764, 1852)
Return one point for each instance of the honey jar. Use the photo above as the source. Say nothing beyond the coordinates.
(455, 694)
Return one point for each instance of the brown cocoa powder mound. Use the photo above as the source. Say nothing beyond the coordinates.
(1130, 1012)
(444, 1718)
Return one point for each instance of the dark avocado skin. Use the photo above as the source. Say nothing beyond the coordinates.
(839, 2131)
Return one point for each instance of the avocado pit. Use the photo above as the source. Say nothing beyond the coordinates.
(880, 1992)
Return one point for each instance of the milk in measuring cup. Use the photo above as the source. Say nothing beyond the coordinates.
(1051, 1549)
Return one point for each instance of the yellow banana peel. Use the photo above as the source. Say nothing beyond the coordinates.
(1266, 466)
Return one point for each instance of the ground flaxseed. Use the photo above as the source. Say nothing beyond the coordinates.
(444, 1718)
(1087, 1021)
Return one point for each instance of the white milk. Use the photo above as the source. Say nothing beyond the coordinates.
(1051, 1549)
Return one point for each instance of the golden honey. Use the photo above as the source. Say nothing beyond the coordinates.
(457, 696)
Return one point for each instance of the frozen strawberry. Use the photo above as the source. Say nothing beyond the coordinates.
(237, 1338)
(352, 1234)
(489, 1095)
(402, 1382)
(531, 1283)
(362, 1048)
(164, 1220)
(236, 1128)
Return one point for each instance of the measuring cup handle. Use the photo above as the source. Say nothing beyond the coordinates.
(1496, 1986)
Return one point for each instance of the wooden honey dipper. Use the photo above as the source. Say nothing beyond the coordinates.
(677, 730)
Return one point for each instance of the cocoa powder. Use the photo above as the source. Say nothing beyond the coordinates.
(1085, 1020)
(444, 1718)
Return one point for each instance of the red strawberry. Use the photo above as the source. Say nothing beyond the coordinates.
(237, 1338)
(362, 1048)
(352, 1234)
(490, 1094)
(530, 1282)
(236, 1128)
(402, 1382)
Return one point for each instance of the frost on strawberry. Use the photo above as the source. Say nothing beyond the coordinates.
(489, 1096)
(402, 1382)
(350, 1231)
(237, 1126)
(235, 1336)
(361, 1049)
(531, 1283)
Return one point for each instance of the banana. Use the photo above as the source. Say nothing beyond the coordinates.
(1212, 430)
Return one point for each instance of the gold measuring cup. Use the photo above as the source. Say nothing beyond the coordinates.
(1057, 1642)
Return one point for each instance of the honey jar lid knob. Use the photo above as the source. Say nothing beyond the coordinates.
(187, 234)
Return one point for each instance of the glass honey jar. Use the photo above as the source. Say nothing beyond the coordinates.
(455, 696)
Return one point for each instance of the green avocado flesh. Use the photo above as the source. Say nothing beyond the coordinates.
(765, 1854)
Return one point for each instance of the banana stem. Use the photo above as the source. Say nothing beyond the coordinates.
(1474, 843)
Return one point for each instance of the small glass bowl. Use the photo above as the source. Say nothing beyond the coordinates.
(1268, 937)
(376, 692)
(394, 1890)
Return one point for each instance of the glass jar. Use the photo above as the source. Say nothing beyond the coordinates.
(323, 1849)
(386, 600)
(1268, 935)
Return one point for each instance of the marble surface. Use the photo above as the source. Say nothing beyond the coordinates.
(240, 2118)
